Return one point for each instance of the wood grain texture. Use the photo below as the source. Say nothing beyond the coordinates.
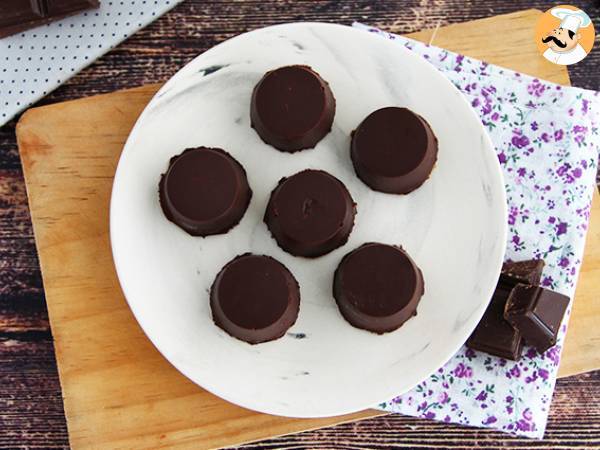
(150, 56)
(112, 377)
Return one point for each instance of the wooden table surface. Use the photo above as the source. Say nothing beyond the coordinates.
(31, 414)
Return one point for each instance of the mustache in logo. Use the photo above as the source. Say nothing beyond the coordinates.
(554, 39)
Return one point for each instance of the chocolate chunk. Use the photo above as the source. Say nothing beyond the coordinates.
(292, 108)
(204, 191)
(310, 213)
(493, 334)
(255, 298)
(62, 7)
(526, 272)
(20, 15)
(377, 287)
(393, 150)
(537, 314)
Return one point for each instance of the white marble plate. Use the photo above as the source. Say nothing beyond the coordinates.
(453, 226)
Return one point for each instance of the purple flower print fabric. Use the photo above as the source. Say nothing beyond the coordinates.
(547, 140)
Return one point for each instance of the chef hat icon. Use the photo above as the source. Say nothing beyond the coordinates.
(571, 19)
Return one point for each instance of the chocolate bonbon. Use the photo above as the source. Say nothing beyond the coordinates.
(204, 191)
(393, 150)
(377, 287)
(310, 213)
(255, 298)
(292, 108)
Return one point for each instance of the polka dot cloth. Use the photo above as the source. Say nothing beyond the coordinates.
(39, 60)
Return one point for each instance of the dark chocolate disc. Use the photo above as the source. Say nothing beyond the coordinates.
(377, 287)
(255, 298)
(204, 191)
(310, 213)
(393, 150)
(292, 108)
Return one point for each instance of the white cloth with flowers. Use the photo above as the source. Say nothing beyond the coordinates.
(547, 139)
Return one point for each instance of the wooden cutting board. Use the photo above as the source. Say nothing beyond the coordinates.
(119, 392)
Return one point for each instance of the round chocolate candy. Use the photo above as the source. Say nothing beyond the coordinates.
(310, 213)
(255, 298)
(292, 108)
(204, 191)
(377, 287)
(393, 150)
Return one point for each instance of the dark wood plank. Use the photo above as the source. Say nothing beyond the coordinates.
(573, 423)
(30, 400)
(31, 413)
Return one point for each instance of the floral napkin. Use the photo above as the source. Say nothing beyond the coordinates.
(547, 139)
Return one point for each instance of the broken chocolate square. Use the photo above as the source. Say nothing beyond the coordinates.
(493, 334)
(20, 15)
(526, 272)
(536, 313)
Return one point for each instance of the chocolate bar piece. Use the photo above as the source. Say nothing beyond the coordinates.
(493, 334)
(526, 272)
(19, 15)
(536, 313)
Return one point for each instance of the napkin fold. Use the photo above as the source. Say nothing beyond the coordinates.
(547, 140)
(37, 61)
